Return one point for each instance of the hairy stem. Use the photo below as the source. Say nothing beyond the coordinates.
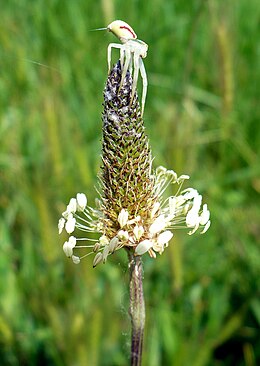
(136, 308)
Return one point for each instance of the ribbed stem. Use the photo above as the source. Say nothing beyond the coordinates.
(136, 308)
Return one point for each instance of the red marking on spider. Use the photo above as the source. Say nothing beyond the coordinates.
(127, 28)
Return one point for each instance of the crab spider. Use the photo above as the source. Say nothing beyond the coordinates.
(132, 50)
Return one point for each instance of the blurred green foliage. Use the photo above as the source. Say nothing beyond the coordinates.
(202, 116)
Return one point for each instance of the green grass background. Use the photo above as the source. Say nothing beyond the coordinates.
(202, 117)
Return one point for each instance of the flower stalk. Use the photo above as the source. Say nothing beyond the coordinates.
(136, 307)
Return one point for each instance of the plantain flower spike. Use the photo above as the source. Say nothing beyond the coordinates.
(132, 211)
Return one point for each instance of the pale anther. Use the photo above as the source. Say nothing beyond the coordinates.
(61, 224)
(143, 247)
(81, 201)
(123, 217)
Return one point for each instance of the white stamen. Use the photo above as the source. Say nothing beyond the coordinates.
(103, 240)
(164, 237)
(158, 225)
(155, 209)
(61, 224)
(70, 224)
(194, 229)
(134, 220)
(97, 259)
(206, 227)
(123, 235)
(190, 193)
(112, 245)
(197, 202)
(68, 249)
(81, 201)
(138, 231)
(182, 178)
(72, 206)
(143, 247)
(75, 259)
(192, 218)
(105, 253)
(205, 215)
(123, 217)
(72, 241)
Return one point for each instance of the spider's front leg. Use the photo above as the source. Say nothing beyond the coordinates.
(126, 64)
(145, 82)
(139, 66)
(136, 56)
(121, 47)
(122, 57)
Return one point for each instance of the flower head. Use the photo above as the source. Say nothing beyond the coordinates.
(132, 212)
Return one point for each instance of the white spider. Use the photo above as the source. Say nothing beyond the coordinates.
(131, 50)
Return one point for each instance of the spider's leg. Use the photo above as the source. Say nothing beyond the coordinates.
(131, 65)
(145, 82)
(122, 57)
(135, 77)
(109, 50)
(109, 57)
(126, 65)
